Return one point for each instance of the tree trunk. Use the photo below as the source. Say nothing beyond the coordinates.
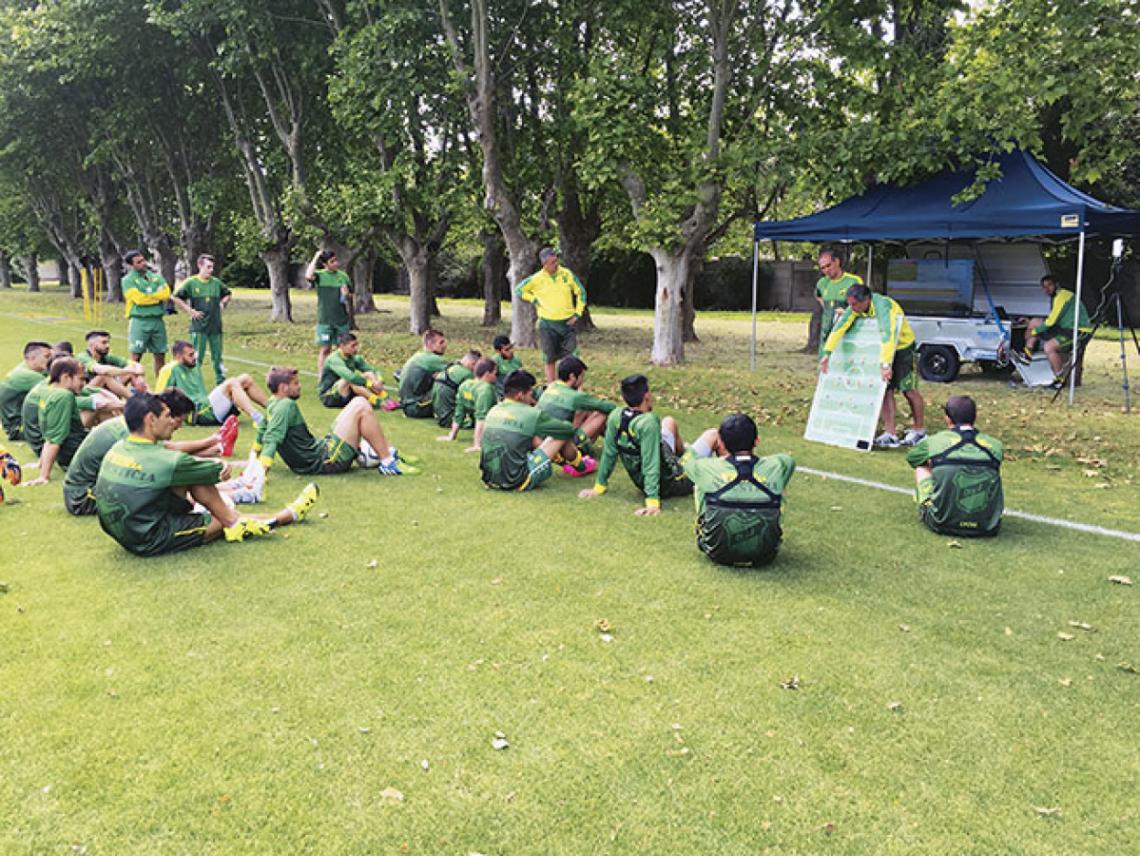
(672, 274)
(494, 264)
(523, 254)
(31, 271)
(112, 271)
(62, 272)
(5, 270)
(419, 287)
(577, 230)
(363, 270)
(689, 302)
(168, 262)
(276, 262)
(195, 241)
(815, 326)
(75, 279)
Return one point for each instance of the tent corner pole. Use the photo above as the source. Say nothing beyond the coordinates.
(1077, 318)
(755, 278)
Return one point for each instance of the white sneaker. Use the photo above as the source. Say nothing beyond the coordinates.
(887, 441)
(913, 437)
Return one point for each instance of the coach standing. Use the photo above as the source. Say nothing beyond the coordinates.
(146, 293)
(560, 299)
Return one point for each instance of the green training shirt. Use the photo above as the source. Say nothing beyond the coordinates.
(133, 495)
(338, 367)
(738, 523)
(473, 402)
(59, 415)
(418, 374)
(444, 390)
(13, 390)
(503, 368)
(84, 469)
(966, 496)
(205, 295)
(284, 432)
(187, 379)
(330, 310)
(562, 401)
(89, 362)
(635, 437)
(507, 434)
(30, 416)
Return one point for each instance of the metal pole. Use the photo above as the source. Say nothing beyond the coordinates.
(1123, 352)
(870, 258)
(755, 277)
(1077, 317)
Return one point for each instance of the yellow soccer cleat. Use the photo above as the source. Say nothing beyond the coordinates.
(304, 502)
(247, 528)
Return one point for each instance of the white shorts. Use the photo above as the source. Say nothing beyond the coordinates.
(221, 404)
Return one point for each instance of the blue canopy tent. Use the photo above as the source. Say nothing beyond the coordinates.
(1027, 201)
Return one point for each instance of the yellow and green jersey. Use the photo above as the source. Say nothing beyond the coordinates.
(145, 293)
(84, 468)
(635, 438)
(445, 390)
(738, 503)
(339, 367)
(284, 432)
(833, 292)
(13, 390)
(889, 317)
(562, 401)
(508, 432)
(1060, 319)
(134, 497)
(331, 310)
(556, 297)
(473, 402)
(964, 495)
(417, 377)
(205, 295)
(189, 380)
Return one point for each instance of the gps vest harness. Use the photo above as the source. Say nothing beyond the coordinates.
(968, 438)
(744, 473)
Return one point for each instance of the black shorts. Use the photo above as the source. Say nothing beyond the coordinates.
(557, 339)
(78, 501)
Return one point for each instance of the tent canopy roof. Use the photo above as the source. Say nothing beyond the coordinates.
(1028, 200)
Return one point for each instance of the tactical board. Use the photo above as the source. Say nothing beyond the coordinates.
(845, 411)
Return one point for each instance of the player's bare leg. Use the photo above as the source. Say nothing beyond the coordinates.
(357, 421)
(669, 426)
(917, 408)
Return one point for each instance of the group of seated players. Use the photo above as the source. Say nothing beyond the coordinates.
(95, 417)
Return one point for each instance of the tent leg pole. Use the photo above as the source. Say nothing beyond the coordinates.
(755, 277)
(870, 259)
(1077, 318)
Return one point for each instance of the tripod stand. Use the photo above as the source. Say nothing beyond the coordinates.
(1103, 313)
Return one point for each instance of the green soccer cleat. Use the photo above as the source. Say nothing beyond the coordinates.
(304, 502)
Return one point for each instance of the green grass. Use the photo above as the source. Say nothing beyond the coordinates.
(261, 697)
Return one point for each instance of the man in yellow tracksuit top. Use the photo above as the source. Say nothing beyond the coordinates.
(145, 293)
(1055, 331)
(560, 299)
(896, 359)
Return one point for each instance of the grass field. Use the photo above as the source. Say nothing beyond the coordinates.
(285, 696)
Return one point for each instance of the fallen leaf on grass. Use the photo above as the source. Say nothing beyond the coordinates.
(954, 545)
(426, 766)
(1132, 668)
(1080, 625)
(500, 741)
(373, 564)
(323, 515)
(895, 706)
(676, 753)
(1066, 637)
(1009, 631)
(1065, 682)
(3, 588)
(606, 637)
(792, 683)
(837, 508)
(497, 581)
(1047, 812)
(1120, 580)
(391, 795)
(905, 628)
(602, 625)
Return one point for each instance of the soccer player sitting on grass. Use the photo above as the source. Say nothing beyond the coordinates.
(417, 377)
(285, 433)
(473, 401)
(213, 407)
(738, 497)
(648, 448)
(79, 484)
(958, 475)
(108, 371)
(146, 494)
(446, 387)
(20, 380)
(58, 427)
(521, 443)
(565, 400)
(505, 361)
(347, 374)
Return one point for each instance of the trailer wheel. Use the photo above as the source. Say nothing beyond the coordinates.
(938, 363)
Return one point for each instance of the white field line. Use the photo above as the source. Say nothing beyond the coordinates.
(1009, 512)
(1024, 515)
